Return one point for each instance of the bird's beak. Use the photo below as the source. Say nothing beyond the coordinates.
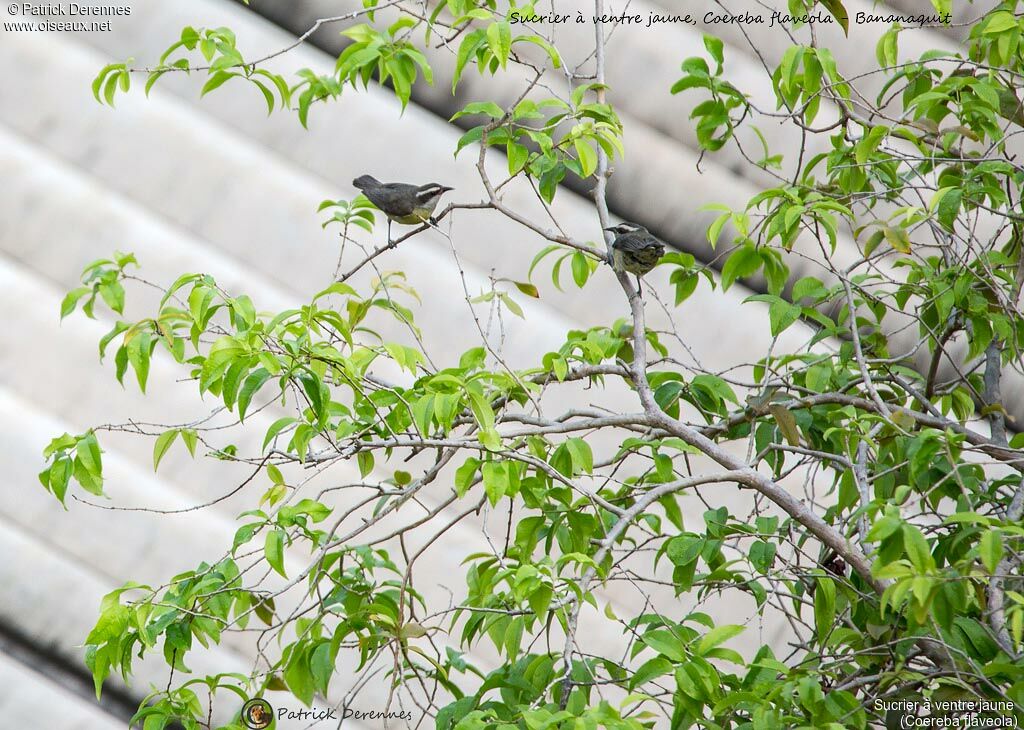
(609, 229)
(445, 188)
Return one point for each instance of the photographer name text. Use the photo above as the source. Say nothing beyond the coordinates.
(68, 10)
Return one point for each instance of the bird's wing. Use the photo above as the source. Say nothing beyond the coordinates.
(396, 199)
(637, 242)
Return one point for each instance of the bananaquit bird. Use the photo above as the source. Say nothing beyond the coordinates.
(400, 202)
(634, 250)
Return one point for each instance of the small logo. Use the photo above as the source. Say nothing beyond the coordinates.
(257, 714)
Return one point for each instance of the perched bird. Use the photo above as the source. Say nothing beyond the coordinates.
(401, 202)
(634, 250)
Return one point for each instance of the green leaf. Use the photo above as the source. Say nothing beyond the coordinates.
(684, 549)
(481, 410)
(665, 643)
(480, 107)
(787, 423)
(781, 314)
(215, 81)
(883, 528)
(496, 480)
(163, 443)
(898, 239)
(321, 666)
(556, 60)
(762, 555)
(275, 428)
(518, 155)
(838, 11)
(268, 95)
(990, 548)
(715, 229)
(866, 146)
(873, 241)
(152, 80)
(824, 607)
(423, 414)
(886, 51)
(743, 262)
(273, 549)
(580, 268)
(948, 207)
(499, 39)
(715, 49)
(317, 511)
(243, 535)
(298, 676)
(471, 43)
(113, 294)
(67, 306)
(917, 549)
(250, 387)
(110, 88)
(713, 384)
(465, 475)
(528, 289)
(587, 157)
(651, 669)
(511, 305)
(139, 349)
(490, 438)
(121, 363)
(582, 456)
(718, 635)
(685, 283)
(97, 84)
(88, 451)
(1000, 22)
(111, 624)
(365, 461)
(788, 65)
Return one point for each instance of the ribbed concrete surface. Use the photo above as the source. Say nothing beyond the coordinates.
(36, 702)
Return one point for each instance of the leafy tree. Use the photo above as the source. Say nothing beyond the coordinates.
(897, 572)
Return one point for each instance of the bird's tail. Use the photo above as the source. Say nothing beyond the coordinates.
(366, 181)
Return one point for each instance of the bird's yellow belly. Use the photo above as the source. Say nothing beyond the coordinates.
(418, 216)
